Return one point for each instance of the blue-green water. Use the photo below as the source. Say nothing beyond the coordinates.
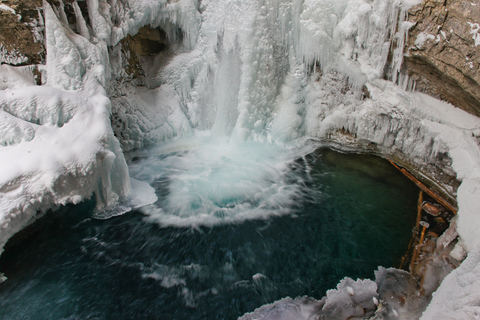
(357, 215)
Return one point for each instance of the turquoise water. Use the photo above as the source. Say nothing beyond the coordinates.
(340, 215)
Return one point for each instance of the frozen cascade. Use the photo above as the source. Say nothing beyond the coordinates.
(238, 77)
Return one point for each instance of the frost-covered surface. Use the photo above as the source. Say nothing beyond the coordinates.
(351, 299)
(12, 57)
(145, 117)
(388, 297)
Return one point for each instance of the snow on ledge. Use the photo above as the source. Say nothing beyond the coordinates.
(459, 295)
(69, 152)
(4, 7)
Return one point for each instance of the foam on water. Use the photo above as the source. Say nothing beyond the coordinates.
(213, 180)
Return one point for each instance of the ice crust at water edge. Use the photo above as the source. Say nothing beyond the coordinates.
(360, 299)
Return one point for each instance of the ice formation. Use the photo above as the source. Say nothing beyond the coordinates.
(383, 298)
(12, 57)
(474, 27)
(263, 71)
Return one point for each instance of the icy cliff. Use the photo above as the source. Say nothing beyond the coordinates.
(269, 71)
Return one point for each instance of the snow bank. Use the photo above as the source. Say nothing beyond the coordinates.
(351, 299)
(57, 145)
(459, 295)
(58, 148)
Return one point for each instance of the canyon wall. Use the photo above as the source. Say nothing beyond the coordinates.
(442, 53)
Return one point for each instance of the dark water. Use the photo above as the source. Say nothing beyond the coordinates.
(71, 266)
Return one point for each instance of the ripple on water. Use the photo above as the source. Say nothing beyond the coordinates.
(343, 219)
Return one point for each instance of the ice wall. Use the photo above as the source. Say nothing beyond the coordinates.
(231, 80)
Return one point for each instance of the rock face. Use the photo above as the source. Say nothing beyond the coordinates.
(21, 38)
(443, 51)
(148, 41)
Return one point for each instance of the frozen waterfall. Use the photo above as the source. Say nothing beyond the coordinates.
(243, 89)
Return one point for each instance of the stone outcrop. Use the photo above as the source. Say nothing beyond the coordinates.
(442, 54)
(21, 35)
(147, 42)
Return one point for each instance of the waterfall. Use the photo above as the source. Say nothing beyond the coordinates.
(248, 71)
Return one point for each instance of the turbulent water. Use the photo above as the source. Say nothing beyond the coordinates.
(254, 225)
(211, 180)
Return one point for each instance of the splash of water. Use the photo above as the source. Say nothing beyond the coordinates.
(214, 180)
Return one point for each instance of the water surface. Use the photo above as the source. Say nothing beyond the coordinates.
(341, 215)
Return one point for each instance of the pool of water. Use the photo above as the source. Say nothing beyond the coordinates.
(350, 214)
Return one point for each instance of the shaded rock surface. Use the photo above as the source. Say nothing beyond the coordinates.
(147, 42)
(443, 51)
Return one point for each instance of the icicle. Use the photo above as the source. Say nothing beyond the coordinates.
(61, 12)
(64, 62)
(100, 24)
(82, 28)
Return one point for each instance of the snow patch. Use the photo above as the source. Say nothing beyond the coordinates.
(423, 37)
(474, 28)
(12, 57)
(4, 7)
